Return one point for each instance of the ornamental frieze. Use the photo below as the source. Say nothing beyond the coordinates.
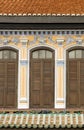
(43, 38)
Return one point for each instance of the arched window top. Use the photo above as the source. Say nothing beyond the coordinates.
(76, 53)
(42, 54)
(8, 54)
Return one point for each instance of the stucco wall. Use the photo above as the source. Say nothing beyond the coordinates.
(24, 43)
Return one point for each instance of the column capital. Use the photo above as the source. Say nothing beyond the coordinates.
(60, 41)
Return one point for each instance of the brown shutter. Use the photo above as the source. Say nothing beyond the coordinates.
(8, 78)
(2, 83)
(35, 83)
(72, 94)
(42, 80)
(82, 83)
(48, 83)
(11, 85)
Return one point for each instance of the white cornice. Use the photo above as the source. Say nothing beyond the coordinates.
(39, 14)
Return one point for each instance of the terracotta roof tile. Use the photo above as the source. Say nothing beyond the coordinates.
(41, 7)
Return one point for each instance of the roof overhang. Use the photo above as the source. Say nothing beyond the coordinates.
(41, 22)
(41, 19)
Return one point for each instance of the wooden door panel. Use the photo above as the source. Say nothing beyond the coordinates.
(11, 68)
(48, 83)
(11, 79)
(47, 87)
(11, 88)
(35, 99)
(75, 77)
(82, 86)
(72, 75)
(8, 78)
(72, 89)
(81, 83)
(2, 83)
(75, 82)
(48, 99)
(42, 82)
(82, 98)
(10, 100)
(11, 82)
(73, 99)
(1, 96)
(73, 85)
(2, 68)
(36, 75)
(36, 86)
(35, 83)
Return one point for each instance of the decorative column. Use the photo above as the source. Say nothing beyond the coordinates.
(23, 102)
(60, 101)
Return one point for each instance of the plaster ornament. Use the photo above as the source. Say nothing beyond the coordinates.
(60, 41)
(79, 41)
(6, 41)
(33, 41)
(42, 40)
(15, 40)
(51, 40)
(24, 41)
(69, 40)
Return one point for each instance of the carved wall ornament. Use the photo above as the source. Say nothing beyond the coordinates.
(51, 40)
(24, 41)
(42, 39)
(15, 40)
(69, 40)
(6, 41)
(60, 41)
(79, 41)
(33, 41)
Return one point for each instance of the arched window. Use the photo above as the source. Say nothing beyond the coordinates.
(8, 54)
(8, 77)
(42, 54)
(75, 77)
(42, 78)
(78, 53)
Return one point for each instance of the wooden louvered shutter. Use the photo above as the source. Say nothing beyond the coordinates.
(42, 79)
(8, 78)
(72, 88)
(48, 82)
(2, 83)
(35, 100)
(11, 84)
(81, 92)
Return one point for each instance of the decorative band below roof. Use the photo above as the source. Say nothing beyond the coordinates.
(44, 14)
(41, 32)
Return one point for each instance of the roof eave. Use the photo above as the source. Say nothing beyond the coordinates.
(41, 19)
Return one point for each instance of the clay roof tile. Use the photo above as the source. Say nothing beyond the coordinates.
(41, 7)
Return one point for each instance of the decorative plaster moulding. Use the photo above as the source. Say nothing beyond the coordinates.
(79, 40)
(60, 40)
(38, 14)
(42, 32)
(23, 40)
